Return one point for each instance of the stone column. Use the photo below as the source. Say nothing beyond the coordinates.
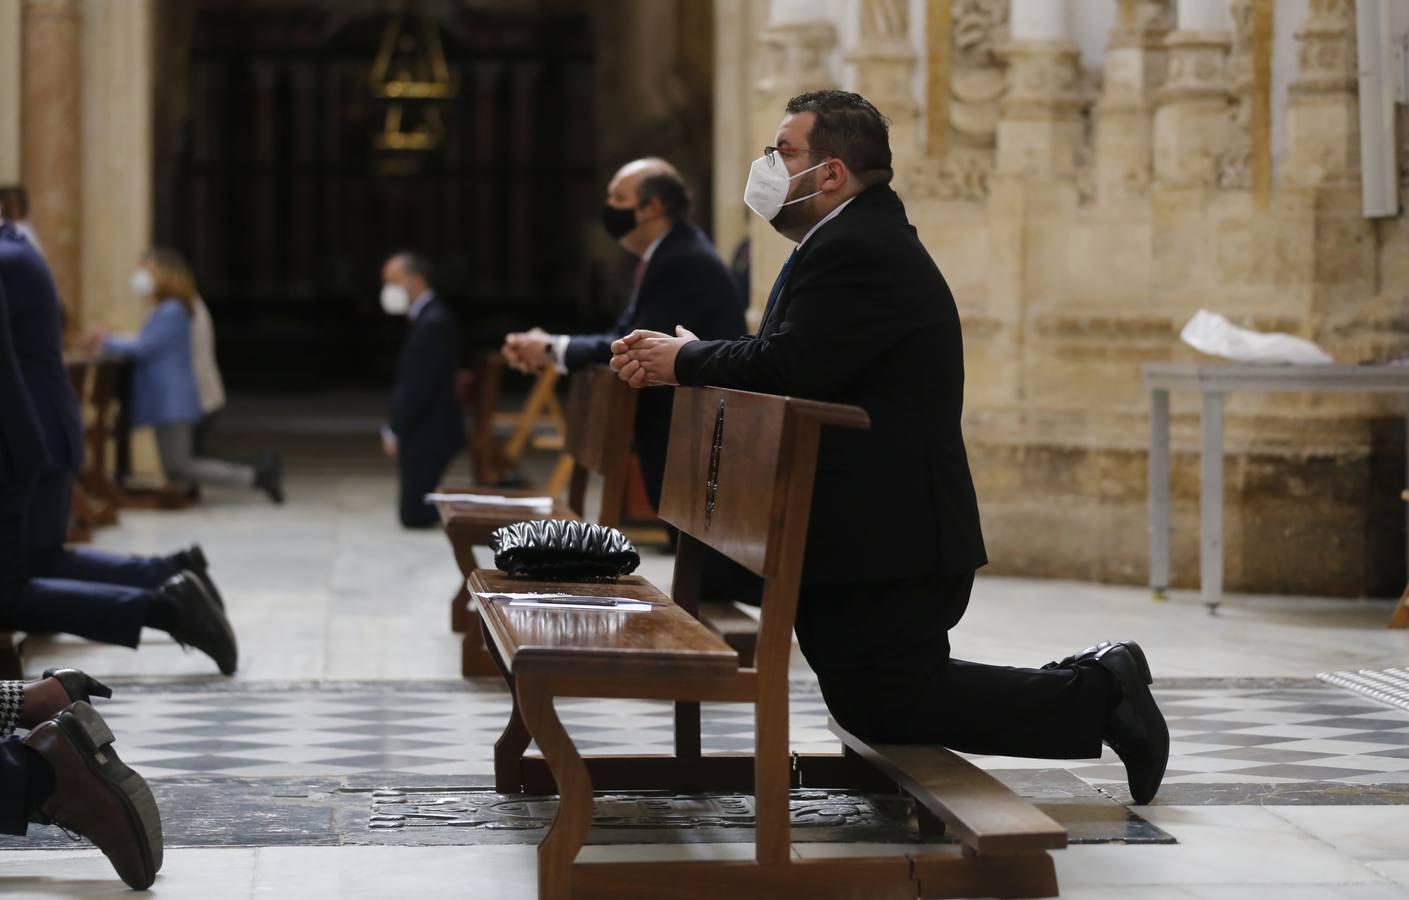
(734, 36)
(1191, 124)
(117, 158)
(1134, 71)
(795, 57)
(1323, 113)
(51, 132)
(885, 69)
(11, 42)
(1039, 132)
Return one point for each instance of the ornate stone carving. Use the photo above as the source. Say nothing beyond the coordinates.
(976, 80)
(1323, 118)
(962, 174)
(1326, 56)
(795, 57)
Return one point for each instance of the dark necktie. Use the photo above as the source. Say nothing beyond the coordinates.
(777, 289)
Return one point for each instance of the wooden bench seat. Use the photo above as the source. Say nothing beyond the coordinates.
(978, 809)
(667, 641)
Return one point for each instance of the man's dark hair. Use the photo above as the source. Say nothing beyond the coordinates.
(14, 202)
(848, 126)
(670, 188)
(416, 264)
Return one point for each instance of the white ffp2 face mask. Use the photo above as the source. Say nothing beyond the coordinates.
(767, 188)
(142, 283)
(395, 300)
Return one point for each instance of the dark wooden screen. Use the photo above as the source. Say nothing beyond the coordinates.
(287, 210)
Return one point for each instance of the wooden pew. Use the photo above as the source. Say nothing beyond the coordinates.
(739, 479)
(1400, 618)
(599, 420)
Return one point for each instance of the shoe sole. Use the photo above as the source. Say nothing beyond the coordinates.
(83, 724)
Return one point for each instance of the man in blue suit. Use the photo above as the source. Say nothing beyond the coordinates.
(427, 428)
(100, 596)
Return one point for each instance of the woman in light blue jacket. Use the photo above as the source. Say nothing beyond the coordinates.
(164, 393)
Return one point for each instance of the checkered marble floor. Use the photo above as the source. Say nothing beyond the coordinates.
(1243, 734)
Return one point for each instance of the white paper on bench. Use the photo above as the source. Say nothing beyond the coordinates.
(544, 503)
(564, 601)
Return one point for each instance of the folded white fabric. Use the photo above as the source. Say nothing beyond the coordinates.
(1210, 333)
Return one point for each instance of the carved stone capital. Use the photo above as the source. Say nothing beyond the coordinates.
(795, 57)
(962, 174)
(1044, 79)
(1196, 69)
(1326, 53)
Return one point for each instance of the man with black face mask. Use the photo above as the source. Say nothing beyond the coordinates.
(680, 280)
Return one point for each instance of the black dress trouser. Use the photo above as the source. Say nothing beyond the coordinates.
(881, 653)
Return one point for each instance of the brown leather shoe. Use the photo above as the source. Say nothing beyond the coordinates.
(97, 796)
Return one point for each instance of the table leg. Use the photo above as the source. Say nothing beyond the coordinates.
(1159, 493)
(1211, 502)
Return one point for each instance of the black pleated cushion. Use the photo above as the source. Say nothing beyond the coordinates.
(563, 549)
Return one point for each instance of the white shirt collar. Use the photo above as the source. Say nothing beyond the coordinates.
(646, 257)
(825, 219)
(419, 304)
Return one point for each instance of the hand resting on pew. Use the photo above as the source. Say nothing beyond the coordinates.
(647, 358)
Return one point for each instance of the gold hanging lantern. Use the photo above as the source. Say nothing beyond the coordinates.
(411, 73)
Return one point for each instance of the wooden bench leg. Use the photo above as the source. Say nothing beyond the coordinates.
(574, 820)
(514, 740)
(460, 609)
(1400, 619)
(475, 658)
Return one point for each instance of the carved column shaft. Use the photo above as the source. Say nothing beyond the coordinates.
(1323, 113)
(884, 63)
(1136, 61)
(1191, 124)
(794, 57)
(51, 129)
(1040, 128)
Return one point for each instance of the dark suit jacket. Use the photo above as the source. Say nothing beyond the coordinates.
(22, 451)
(36, 329)
(865, 318)
(685, 283)
(425, 416)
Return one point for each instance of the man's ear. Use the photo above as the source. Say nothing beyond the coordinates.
(652, 209)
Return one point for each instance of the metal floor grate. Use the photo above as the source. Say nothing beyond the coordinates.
(1389, 686)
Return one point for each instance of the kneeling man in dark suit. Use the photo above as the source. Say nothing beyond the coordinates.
(426, 430)
(861, 315)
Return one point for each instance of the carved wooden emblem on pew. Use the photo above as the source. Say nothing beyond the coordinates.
(716, 447)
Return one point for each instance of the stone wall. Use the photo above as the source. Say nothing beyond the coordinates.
(1082, 216)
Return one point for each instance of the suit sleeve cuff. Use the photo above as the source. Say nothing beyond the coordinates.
(559, 344)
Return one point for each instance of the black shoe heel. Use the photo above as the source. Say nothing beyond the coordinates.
(79, 685)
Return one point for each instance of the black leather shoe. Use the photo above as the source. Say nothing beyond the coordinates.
(199, 622)
(1135, 729)
(193, 560)
(97, 796)
(269, 476)
(1090, 653)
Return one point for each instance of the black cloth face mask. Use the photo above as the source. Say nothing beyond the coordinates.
(618, 222)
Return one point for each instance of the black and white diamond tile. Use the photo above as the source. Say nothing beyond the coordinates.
(1220, 735)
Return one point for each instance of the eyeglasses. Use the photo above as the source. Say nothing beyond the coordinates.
(771, 153)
